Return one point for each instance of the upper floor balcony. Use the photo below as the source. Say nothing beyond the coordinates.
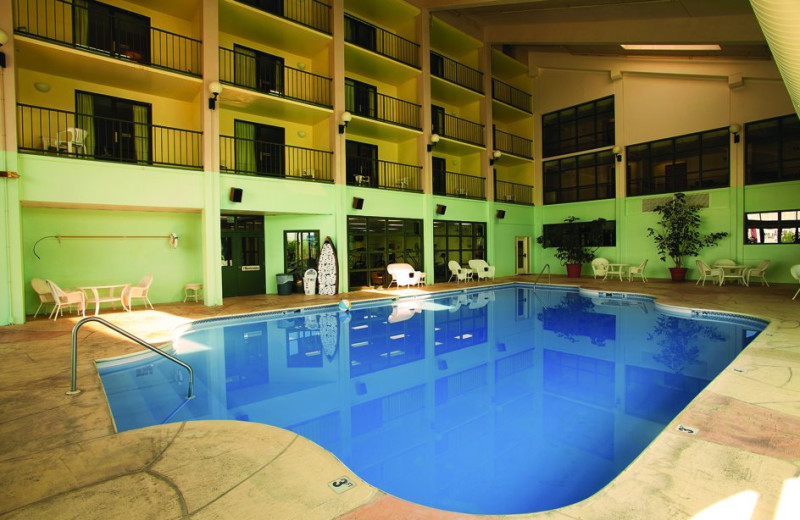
(309, 13)
(513, 193)
(267, 74)
(454, 72)
(453, 184)
(365, 101)
(369, 172)
(380, 41)
(452, 127)
(107, 30)
(511, 96)
(512, 144)
(257, 157)
(87, 134)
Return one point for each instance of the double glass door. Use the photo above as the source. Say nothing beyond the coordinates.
(107, 28)
(243, 257)
(116, 129)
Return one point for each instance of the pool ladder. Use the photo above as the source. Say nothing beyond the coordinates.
(545, 268)
(73, 388)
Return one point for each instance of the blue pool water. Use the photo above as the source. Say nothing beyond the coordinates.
(490, 402)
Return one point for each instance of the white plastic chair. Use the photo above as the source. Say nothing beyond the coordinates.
(482, 269)
(43, 292)
(461, 274)
(759, 271)
(600, 267)
(139, 290)
(707, 271)
(403, 275)
(63, 299)
(71, 138)
(638, 270)
(795, 270)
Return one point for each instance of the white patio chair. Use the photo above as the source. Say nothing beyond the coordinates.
(634, 269)
(140, 291)
(71, 138)
(43, 292)
(707, 271)
(759, 271)
(403, 275)
(461, 274)
(795, 270)
(600, 267)
(482, 269)
(63, 299)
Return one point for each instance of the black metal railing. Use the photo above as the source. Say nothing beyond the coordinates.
(371, 37)
(86, 136)
(71, 24)
(513, 193)
(458, 185)
(255, 157)
(456, 128)
(513, 144)
(373, 173)
(511, 95)
(451, 70)
(310, 13)
(382, 108)
(273, 78)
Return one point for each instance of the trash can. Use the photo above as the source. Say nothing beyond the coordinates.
(285, 283)
(310, 281)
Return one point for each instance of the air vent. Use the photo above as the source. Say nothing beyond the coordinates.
(693, 199)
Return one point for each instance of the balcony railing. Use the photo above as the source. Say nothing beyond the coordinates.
(372, 173)
(247, 71)
(513, 144)
(86, 136)
(311, 13)
(456, 128)
(254, 157)
(451, 70)
(72, 24)
(382, 108)
(513, 193)
(458, 185)
(373, 38)
(511, 95)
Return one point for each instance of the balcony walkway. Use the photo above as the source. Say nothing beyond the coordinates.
(60, 458)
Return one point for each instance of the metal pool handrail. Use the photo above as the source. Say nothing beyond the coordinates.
(73, 389)
(547, 267)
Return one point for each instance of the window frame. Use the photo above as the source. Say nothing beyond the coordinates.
(564, 135)
(573, 170)
(752, 224)
(780, 150)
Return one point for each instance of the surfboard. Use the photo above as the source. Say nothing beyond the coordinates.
(328, 269)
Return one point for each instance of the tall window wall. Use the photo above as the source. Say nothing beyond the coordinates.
(584, 177)
(773, 150)
(375, 242)
(459, 241)
(688, 162)
(578, 128)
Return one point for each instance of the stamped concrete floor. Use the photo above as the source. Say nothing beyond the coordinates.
(60, 457)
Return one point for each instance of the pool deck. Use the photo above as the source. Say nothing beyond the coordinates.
(60, 457)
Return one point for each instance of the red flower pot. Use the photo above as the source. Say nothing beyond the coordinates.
(574, 270)
(678, 274)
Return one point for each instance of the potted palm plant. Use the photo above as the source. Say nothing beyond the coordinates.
(678, 235)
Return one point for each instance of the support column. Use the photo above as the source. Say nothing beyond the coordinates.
(339, 141)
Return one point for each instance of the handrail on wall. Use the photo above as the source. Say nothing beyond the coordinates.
(73, 388)
(172, 237)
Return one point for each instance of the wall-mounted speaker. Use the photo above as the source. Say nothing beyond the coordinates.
(501, 213)
(236, 194)
(358, 203)
(440, 209)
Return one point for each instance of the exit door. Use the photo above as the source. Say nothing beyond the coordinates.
(243, 255)
(523, 255)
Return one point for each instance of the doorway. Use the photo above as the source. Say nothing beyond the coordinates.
(259, 148)
(258, 70)
(112, 30)
(523, 255)
(362, 164)
(439, 176)
(360, 98)
(117, 129)
(243, 257)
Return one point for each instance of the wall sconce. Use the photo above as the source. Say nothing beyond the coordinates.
(3, 41)
(434, 140)
(495, 157)
(735, 129)
(173, 240)
(215, 87)
(346, 117)
(617, 151)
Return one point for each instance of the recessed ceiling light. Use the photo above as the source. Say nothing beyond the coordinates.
(671, 47)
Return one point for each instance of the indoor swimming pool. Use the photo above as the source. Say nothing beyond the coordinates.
(509, 400)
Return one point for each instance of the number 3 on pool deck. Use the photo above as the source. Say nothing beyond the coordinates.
(341, 485)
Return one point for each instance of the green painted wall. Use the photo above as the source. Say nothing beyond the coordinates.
(75, 262)
(517, 222)
(274, 229)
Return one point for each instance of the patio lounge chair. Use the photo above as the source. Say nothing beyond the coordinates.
(706, 271)
(600, 267)
(43, 292)
(638, 270)
(403, 275)
(63, 299)
(795, 270)
(759, 271)
(482, 269)
(461, 274)
(139, 290)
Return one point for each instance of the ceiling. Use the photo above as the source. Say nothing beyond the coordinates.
(597, 27)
